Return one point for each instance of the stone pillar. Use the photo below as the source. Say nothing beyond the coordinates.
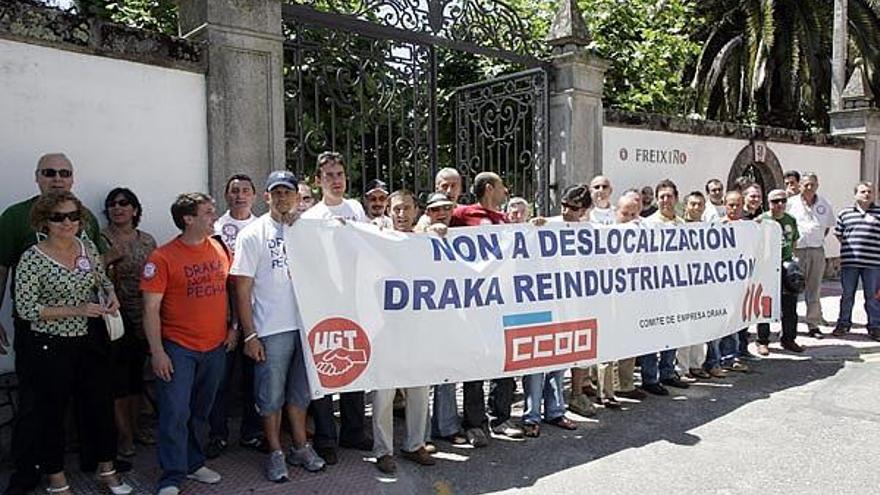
(576, 118)
(245, 85)
(575, 106)
(859, 117)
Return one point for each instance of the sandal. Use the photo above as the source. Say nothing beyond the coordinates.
(531, 430)
(122, 488)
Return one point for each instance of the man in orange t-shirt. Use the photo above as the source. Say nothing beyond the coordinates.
(185, 320)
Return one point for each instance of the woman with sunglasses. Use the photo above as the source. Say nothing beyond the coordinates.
(62, 290)
(129, 248)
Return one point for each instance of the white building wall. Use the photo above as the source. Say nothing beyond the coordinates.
(692, 160)
(121, 123)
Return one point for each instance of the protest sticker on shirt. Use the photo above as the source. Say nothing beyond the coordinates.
(504, 300)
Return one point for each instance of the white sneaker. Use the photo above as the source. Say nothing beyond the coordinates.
(305, 457)
(205, 475)
(168, 490)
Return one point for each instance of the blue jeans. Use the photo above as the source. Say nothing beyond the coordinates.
(713, 355)
(251, 423)
(546, 386)
(445, 421)
(184, 403)
(651, 373)
(728, 349)
(849, 280)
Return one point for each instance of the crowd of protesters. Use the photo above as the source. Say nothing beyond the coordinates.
(215, 314)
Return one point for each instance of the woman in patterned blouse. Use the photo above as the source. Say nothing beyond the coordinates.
(129, 248)
(57, 287)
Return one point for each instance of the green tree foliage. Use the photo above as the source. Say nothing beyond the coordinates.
(649, 45)
(156, 15)
(768, 62)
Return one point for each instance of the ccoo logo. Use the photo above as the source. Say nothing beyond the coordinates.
(755, 304)
(341, 350)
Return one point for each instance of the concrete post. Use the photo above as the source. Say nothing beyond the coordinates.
(245, 85)
(575, 103)
(859, 117)
(576, 118)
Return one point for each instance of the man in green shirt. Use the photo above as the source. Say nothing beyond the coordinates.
(54, 173)
(778, 199)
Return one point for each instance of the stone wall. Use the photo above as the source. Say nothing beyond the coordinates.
(30, 22)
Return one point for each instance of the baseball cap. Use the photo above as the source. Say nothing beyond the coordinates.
(281, 178)
(376, 185)
(438, 199)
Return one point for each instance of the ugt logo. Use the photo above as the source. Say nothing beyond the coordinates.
(532, 340)
(341, 350)
(755, 304)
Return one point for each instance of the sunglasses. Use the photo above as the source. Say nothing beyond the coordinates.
(435, 209)
(120, 202)
(777, 201)
(601, 186)
(59, 217)
(52, 172)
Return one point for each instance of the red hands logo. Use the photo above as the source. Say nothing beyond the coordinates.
(338, 361)
(341, 350)
(755, 304)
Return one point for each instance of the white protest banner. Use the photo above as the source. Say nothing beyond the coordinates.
(383, 309)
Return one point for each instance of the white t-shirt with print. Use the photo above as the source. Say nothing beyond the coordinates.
(228, 228)
(349, 209)
(604, 216)
(260, 254)
(812, 221)
(714, 213)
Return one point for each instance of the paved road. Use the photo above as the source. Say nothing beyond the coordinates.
(807, 423)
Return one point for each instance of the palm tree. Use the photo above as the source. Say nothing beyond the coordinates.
(768, 61)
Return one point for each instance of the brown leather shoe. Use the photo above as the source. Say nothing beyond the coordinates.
(420, 456)
(634, 394)
(791, 346)
(386, 464)
(717, 373)
(840, 331)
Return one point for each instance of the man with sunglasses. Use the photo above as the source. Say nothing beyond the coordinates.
(600, 191)
(376, 204)
(790, 235)
(54, 172)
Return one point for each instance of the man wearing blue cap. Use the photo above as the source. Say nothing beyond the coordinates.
(270, 324)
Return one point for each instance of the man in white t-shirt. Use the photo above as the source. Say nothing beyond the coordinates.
(332, 178)
(715, 209)
(815, 217)
(603, 210)
(240, 194)
(270, 324)
(333, 204)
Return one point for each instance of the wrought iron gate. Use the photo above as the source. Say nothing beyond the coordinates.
(501, 126)
(361, 79)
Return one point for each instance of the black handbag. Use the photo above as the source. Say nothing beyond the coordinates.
(793, 280)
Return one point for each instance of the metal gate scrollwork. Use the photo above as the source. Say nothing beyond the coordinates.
(501, 126)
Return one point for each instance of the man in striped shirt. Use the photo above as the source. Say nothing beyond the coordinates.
(858, 229)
